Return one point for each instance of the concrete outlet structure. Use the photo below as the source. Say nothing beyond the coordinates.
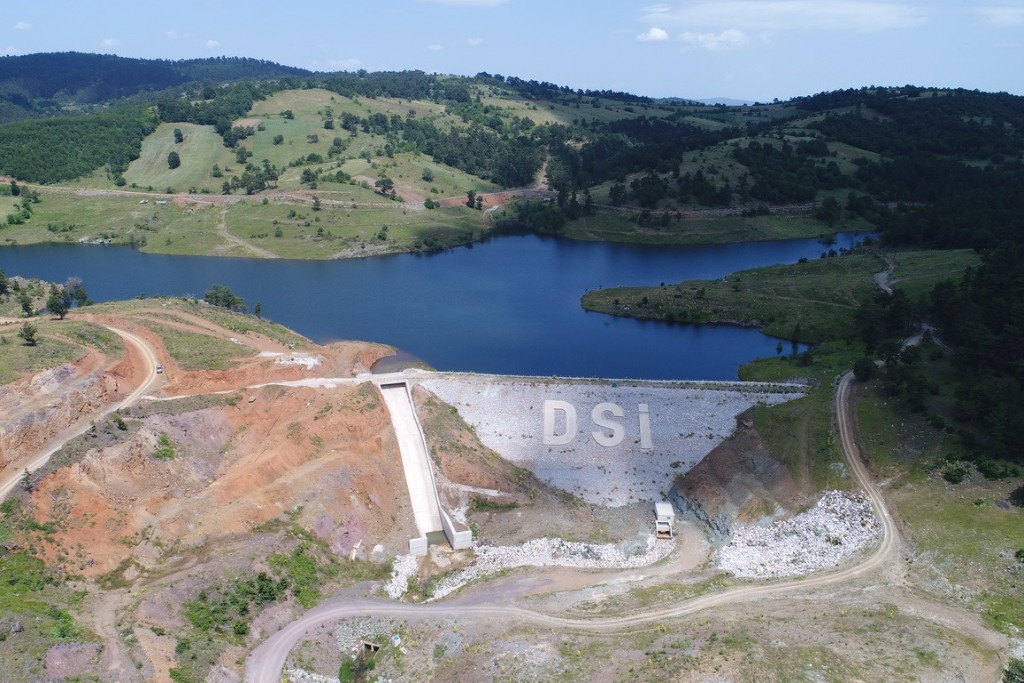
(419, 473)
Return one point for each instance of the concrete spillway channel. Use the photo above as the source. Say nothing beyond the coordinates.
(419, 474)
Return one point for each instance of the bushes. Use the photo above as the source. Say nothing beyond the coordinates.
(955, 472)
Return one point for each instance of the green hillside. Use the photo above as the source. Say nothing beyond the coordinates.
(925, 167)
(200, 149)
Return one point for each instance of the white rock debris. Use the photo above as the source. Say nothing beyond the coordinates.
(403, 568)
(839, 526)
(303, 676)
(540, 552)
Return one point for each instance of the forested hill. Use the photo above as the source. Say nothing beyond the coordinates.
(925, 166)
(45, 83)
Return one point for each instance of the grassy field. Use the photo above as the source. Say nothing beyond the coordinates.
(297, 231)
(917, 272)
(800, 432)
(969, 542)
(63, 216)
(200, 150)
(195, 351)
(40, 606)
(51, 350)
(619, 226)
(820, 295)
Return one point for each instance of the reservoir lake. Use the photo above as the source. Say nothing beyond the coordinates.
(508, 305)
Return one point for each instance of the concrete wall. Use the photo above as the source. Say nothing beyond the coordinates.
(418, 546)
(458, 538)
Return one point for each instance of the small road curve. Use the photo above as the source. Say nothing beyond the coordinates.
(149, 358)
(265, 663)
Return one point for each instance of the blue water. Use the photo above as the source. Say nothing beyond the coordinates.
(510, 305)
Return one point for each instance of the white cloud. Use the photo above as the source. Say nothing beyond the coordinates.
(781, 15)
(212, 44)
(110, 42)
(1003, 16)
(10, 50)
(653, 34)
(435, 47)
(176, 35)
(22, 25)
(729, 39)
(475, 41)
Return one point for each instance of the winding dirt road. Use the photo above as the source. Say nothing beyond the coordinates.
(265, 663)
(149, 358)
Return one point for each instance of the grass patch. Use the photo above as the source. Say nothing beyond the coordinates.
(607, 226)
(812, 301)
(195, 351)
(41, 605)
(201, 148)
(159, 228)
(52, 349)
(481, 504)
(971, 541)
(352, 221)
(809, 301)
(164, 448)
(96, 336)
(917, 272)
(648, 596)
(892, 438)
(799, 432)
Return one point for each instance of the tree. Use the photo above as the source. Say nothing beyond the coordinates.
(829, 212)
(3, 282)
(28, 334)
(428, 175)
(57, 302)
(26, 303)
(178, 136)
(471, 199)
(73, 290)
(221, 295)
(258, 310)
(386, 186)
(864, 369)
(173, 160)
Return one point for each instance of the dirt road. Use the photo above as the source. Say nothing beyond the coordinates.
(265, 663)
(149, 359)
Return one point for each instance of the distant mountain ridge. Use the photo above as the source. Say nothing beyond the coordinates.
(44, 84)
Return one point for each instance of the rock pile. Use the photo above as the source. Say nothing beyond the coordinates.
(839, 526)
(540, 552)
(402, 569)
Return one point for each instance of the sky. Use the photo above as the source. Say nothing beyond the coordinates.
(754, 50)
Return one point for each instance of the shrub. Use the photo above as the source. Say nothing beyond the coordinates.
(1014, 671)
(1017, 497)
(955, 472)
